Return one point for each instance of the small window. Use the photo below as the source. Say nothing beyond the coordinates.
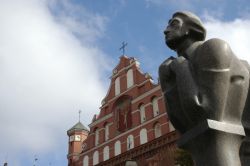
(117, 86)
(130, 142)
(171, 127)
(96, 137)
(106, 132)
(143, 136)
(86, 161)
(157, 129)
(106, 153)
(96, 158)
(117, 148)
(142, 113)
(155, 106)
(130, 79)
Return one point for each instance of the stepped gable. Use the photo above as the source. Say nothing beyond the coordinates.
(141, 83)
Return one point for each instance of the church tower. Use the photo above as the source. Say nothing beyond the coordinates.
(77, 135)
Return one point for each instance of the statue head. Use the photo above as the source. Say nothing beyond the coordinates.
(181, 26)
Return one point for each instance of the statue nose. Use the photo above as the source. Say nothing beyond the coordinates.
(166, 32)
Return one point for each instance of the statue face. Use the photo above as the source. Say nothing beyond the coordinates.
(174, 32)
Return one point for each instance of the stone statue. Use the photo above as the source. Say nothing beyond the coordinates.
(205, 89)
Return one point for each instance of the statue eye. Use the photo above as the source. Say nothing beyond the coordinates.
(174, 23)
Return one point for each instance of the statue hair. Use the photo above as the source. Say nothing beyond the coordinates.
(193, 24)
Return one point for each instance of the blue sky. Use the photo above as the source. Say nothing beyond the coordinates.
(56, 57)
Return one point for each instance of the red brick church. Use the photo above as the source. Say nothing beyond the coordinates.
(132, 125)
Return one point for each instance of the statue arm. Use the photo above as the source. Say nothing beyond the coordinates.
(212, 64)
(166, 77)
(202, 82)
(215, 55)
(187, 89)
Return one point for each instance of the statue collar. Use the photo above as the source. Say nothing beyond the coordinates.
(191, 49)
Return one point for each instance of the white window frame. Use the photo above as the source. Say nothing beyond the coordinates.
(97, 136)
(130, 142)
(117, 148)
(171, 127)
(105, 153)
(107, 132)
(117, 86)
(155, 106)
(143, 136)
(130, 78)
(86, 160)
(95, 158)
(157, 129)
(142, 113)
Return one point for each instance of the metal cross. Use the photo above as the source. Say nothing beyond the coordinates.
(80, 115)
(123, 47)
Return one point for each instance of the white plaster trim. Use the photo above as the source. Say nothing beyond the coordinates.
(135, 111)
(146, 105)
(122, 134)
(100, 120)
(160, 97)
(146, 94)
(125, 68)
(164, 124)
(110, 85)
(135, 85)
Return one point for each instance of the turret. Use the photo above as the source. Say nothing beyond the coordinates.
(77, 135)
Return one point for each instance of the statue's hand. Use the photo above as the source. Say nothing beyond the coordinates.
(165, 69)
(166, 76)
(178, 63)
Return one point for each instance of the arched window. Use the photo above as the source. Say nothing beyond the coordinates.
(171, 127)
(117, 86)
(106, 132)
(142, 113)
(96, 158)
(157, 129)
(96, 137)
(106, 153)
(117, 148)
(86, 161)
(155, 106)
(130, 142)
(130, 79)
(143, 136)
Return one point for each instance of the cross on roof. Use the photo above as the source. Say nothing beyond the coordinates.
(123, 47)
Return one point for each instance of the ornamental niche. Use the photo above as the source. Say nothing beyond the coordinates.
(122, 112)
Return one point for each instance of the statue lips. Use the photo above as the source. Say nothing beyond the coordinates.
(168, 36)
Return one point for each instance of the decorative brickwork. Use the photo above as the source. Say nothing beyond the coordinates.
(122, 133)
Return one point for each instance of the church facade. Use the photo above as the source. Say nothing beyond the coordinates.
(132, 125)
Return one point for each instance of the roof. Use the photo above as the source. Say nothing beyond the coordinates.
(78, 126)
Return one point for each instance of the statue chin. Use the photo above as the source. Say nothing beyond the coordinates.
(174, 43)
(171, 44)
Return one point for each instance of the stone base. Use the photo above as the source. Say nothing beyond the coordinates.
(214, 143)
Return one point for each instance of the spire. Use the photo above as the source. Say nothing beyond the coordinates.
(80, 115)
(6, 163)
(78, 126)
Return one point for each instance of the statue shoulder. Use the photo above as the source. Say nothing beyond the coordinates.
(214, 53)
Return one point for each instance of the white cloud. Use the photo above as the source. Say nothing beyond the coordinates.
(87, 26)
(46, 75)
(235, 32)
(180, 4)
